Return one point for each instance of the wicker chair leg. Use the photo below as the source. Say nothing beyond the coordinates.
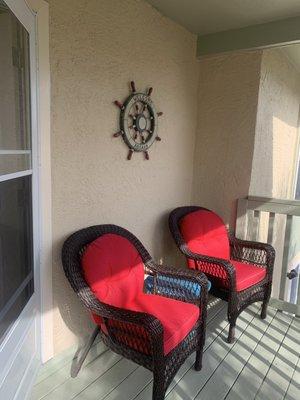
(199, 352)
(264, 308)
(198, 362)
(81, 354)
(232, 314)
(158, 387)
(231, 334)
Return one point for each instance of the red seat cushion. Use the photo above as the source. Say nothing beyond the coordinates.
(205, 233)
(247, 275)
(115, 273)
(176, 317)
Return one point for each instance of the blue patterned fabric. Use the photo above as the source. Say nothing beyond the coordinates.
(181, 283)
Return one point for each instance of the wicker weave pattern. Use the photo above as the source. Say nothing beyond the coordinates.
(135, 335)
(260, 254)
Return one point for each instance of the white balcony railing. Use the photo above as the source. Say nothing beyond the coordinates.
(276, 222)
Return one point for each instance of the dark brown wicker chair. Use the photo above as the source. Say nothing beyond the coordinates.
(138, 336)
(222, 272)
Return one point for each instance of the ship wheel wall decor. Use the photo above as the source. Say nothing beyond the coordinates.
(138, 122)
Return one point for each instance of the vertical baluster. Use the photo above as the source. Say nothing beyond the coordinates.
(250, 225)
(256, 225)
(271, 228)
(263, 227)
(241, 219)
(253, 224)
(287, 237)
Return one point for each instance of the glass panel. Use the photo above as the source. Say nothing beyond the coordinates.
(10, 163)
(15, 124)
(16, 249)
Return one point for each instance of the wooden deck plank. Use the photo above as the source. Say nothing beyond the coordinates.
(229, 369)
(252, 375)
(133, 385)
(64, 360)
(62, 387)
(277, 380)
(293, 390)
(192, 382)
(102, 386)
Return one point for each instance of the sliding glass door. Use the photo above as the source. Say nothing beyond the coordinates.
(16, 241)
(19, 302)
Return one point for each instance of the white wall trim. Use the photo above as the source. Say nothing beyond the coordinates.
(14, 175)
(41, 9)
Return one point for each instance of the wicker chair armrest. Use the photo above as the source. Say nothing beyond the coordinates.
(183, 273)
(226, 269)
(138, 330)
(168, 282)
(103, 310)
(258, 253)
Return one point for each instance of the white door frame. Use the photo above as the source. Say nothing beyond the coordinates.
(41, 11)
(29, 341)
(21, 346)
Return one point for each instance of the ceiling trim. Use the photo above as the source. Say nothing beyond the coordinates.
(276, 33)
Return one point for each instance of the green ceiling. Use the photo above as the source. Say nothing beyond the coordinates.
(229, 25)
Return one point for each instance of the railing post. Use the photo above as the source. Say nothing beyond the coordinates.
(242, 219)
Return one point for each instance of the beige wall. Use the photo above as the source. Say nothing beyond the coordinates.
(276, 140)
(228, 93)
(96, 48)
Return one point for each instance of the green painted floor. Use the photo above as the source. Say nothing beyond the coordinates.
(263, 364)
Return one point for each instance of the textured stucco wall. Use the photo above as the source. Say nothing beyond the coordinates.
(228, 94)
(96, 48)
(276, 141)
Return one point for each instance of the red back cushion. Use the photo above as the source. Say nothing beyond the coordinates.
(113, 269)
(205, 233)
